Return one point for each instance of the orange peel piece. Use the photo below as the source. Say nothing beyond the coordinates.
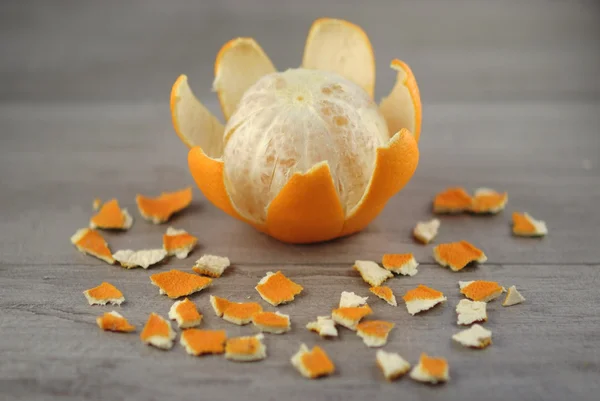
(271, 322)
(114, 321)
(90, 242)
(426, 231)
(96, 204)
(526, 226)
(185, 313)
(385, 293)
(239, 313)
(452, 200)
(350, 300)
(470, 312)
(312, 363)
(479, 290)
(211, 265)
(422, 298)
(276, 289)
(371, 272)
(400, 263)
(475, 336)
(178, 242)
(111, 216)
(160, 209)
(457, 255)
(103, 294)
(324, 326)
(158, 332)
(402, 107)
(200, 342)
(374, 332)
(513, 297)
(350, 317)
(246, 349)
(431, 370)
(486, 200)
(391, 364)
(219, 305)
(239, 64)
(176, 283)
(143, 258)
(341, 47)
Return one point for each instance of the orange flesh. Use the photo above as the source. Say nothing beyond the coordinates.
(396, 259)
(243, 310)
(114, 323)
(176, 283)
(452, 200)
(94, 244)
(179, 241)
(480, 290)
(521, 224)
(488, 202)
(270, 319)
(242, 346)
(436, 367)
(109, 216)
(422, 292)
(278, 289)
(382, 292)
(162, 207)
(104, 291)
(317, 362)
(155, 326)
(458, 254)
(355, 313)
(188, 311)
(376, 328)
(205, 341)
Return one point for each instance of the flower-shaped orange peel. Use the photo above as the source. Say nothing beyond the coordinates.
(308, 207)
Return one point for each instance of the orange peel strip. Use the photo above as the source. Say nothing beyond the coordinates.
(176, 283)
(422, 298)
(324, 326)
(374, 332)
(402, 107)
(371, 272)
(526, 226)
(488, 201)
(431, 370)
(240, 63)
(276, 289)
(178, 242)
(158, 332)
(385, 293)
(199, 342)
(111, 216)
(245, 349)
(185, 313)
(400, 263)
(452, 200)
(160, 209)
(474, 337)
(457, 255)
(271, 322)
(312, 363)
(103, 294)
(114, 321)
(392, 364)
(341, 47)
(211, 265)
(479, 290)
(426, 231)
(90, 242)
(350, 317)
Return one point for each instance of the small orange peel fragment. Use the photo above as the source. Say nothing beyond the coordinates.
(426, 231)
(111, 216)
(241, 313)
(312, 363)
(90, 242)
(276, 289)
(160, 209)
(526, 226)
(219, 305)
(422, 298)
(178, 242)
(513, 297)
(96, 204)
(176, 283)
(199, 342)
(158, 332)
(185, 313)
(143, 258)
(350, 317)
(400, 263)
(103, 294)
(371, 272)
(488, 201)
(470, 312)
(457, 255)
(385, 293)
(211, 265)
(114, 321)
(245, 349)
(374, 332)
(350, 300)
(323, 326)
(474, 337)
(392, 364)
(431, 370)
(272, 322)
(452, 200)
(479, 290)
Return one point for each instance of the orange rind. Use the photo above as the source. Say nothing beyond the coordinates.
(385, 293)
(271, 322)
(452, 200)
(426, 231)
(374, 332)
(475, 336)
(112, 217)
(245, 349)
(470, 312)
(211, 265)
(90, 242)
(276, 289)
(323, 326)
(219, 305)
(526, 226)
(239, 313)
(96, 204)
(313, 363)
(479, 290)
(430, 370)
(351, 300)
(143, 258)
(200, 342)
(513, 297)
(114, 321)
(160, 209)
(178, 243)
(185, 313)
(400, 263)
(158, 332)
(105, 293)
(457, 255)
(350, 317)
(488, 201)
(371, 272)
(176, 283)
(422, 298)
(391, 364)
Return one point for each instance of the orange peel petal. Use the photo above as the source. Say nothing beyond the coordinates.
(113, 321)
(176, 283)
(199, 342)
(350, 317)
(219, 305)
(341, 47)
(111, 216)
(160, 209)
(239, 313)
(374, 332)
(271, 322)
(402, 107)
(158, 332)
(103, 294)
(422, 298)
(480, 290)
(488, 201)
(452, 200)
(245, 349)
(275, 288)
(90, 242)
(312, 363)
(178, 242)
(385, 293)
(526, 226)
(457, 255)
(400, 263)
(240, 63)
(430, 370)
(185, 313)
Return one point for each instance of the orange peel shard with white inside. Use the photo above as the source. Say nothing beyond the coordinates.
(457, 255)
(350, 317)
(323, 326)
(114, 321)
(400, 263)
(431, 370)
(488, 201)
(371, 272)
(374, 332)
(276, 289)
(385, 293)
(422, 298)
(312, 363)
(211, 265)
(143, 258)
(392, 364)
(239, 313)
(452, 200)
(480, 290)
(111, 217)
(158, 332)
(176, 283)
(185, 313)
(513, 297)
(526, 226)
(161, 208)
(200, 342)
(426, 231)
(474, 337)
(178, 242)
(103, 294)
(470, 312)
(271, 322)
(90, 242)
(246, 349)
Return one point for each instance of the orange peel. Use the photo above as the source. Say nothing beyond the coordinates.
(486, 200)
(391, 364)
(161, 208)
(219, 304)
(479, 290)
(475, 336)
(211, 265)
(323, 326)
(245, 349)
(178, 242)
(176, 283)
(185, 313)
(96, 203)
(426, 231)
(114, 321)
(271, 322)
(312, 363)
(143, 258)
(158, 332)
(200, 342)
(371, 272)
(239, 313)
(351, 316)
(90, 242)
(112, 217)
(457, 255)
(276, 289)
(452, 200)
(103, 294)
(400, 263)
(526, 226)
(374, 332)
(385, 293)
(351, 300)
(330, 191)
(422, 298)
(513, 297)
(431, 370)
(470, 312)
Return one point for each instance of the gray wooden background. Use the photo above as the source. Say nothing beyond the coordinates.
(511, 94)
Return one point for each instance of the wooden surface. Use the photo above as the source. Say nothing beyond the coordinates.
(511, 101)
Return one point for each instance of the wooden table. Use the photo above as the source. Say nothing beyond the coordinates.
(511, 101)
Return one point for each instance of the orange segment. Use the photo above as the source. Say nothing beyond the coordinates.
(245, 349)
(178, 242)
(452, 200)
(307, 209)
(483, 291)
(350, 317)
(488, 201)
(185, 313)
(430, 370)
(457, 255)
(159, 209)
(176, 283)
(312, 363)
(402, 107)
(271, 322)
(111, 216)
(374, 332)
(339, 46)
(199, 342)
(241, 313)
(103, 294)
(526, 226)
(400, 263)
(219, 305)
(114, 321)
(394, 166)
(239, 64)
(158, 332)
(422, 298)
(92, 243)
(275, 288)
(385, 293)
(193, 123)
